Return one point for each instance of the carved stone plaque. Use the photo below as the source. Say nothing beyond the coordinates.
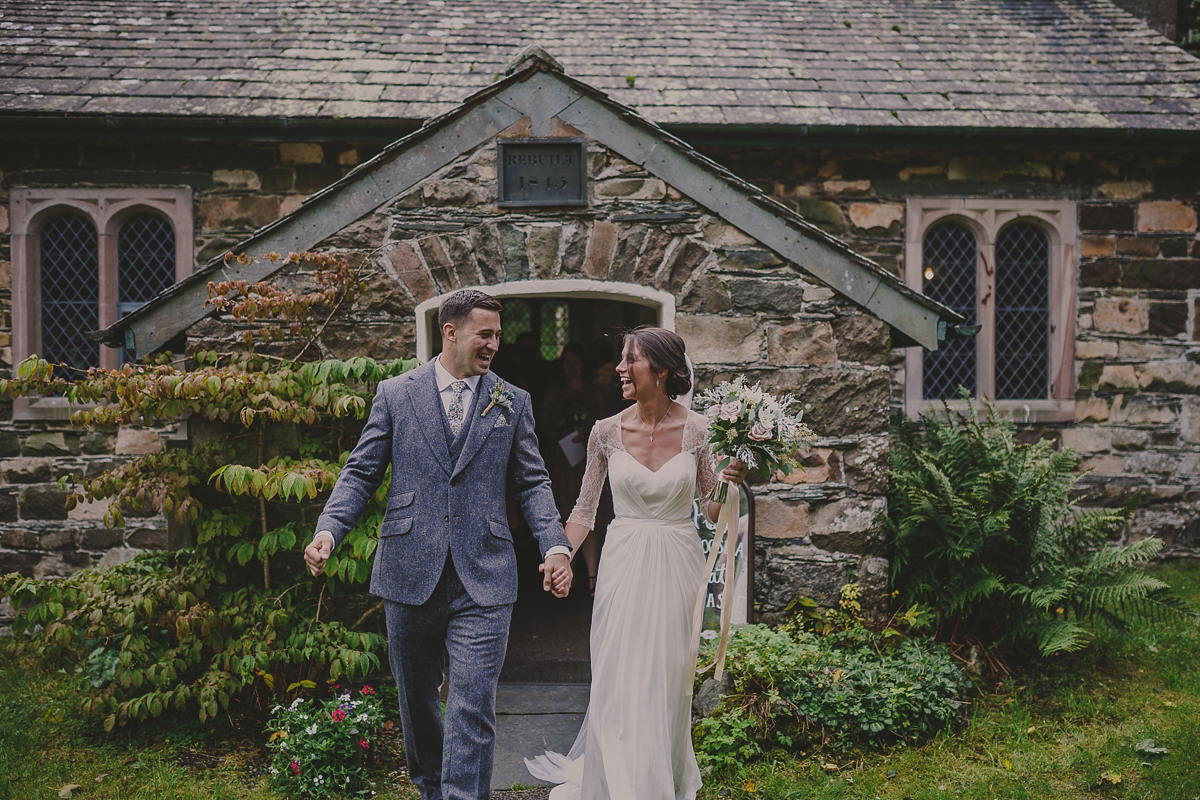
(542, 172)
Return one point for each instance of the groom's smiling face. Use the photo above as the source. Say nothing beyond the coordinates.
(470, 347)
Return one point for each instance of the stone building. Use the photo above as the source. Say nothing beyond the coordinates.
(1032, 166)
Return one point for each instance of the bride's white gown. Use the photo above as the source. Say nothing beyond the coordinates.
(636, 739)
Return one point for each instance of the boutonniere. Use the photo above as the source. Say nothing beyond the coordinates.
(500, 396)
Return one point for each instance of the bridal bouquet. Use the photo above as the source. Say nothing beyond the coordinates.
(753, 426)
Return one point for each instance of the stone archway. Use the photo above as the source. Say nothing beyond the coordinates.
(661, 303)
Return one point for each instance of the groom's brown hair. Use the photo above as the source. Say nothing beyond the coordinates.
(457, 307)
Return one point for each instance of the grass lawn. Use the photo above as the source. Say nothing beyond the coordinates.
(1066, 730)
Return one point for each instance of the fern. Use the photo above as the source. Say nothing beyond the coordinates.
(985, 531)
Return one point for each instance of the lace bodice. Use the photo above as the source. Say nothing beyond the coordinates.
(605, 439)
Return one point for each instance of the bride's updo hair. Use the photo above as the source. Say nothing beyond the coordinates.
(664, 350)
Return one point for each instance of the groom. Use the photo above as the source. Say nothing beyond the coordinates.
(457, 440)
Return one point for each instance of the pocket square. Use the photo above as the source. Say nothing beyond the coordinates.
(500, 422)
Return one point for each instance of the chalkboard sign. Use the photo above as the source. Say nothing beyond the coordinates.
(542, 172)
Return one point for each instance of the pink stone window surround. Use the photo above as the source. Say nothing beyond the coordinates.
(987, 217)
(108, 209)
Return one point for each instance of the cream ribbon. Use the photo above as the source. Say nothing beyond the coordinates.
(727, 536)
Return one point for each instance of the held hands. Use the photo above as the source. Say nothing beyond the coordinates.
(556, 574)
(735, 473)
(317, 552)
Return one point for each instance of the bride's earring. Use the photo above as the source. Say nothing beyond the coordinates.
(656, 381)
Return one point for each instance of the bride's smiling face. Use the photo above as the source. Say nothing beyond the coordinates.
(637, 378)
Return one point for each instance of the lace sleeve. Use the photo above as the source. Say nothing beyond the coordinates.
(697, 442)
(584, 512)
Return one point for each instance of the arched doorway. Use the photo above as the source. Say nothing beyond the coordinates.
(549, 638)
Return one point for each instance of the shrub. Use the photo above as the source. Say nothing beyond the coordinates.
(319, 748)
(788, 690)
(986, 534)
(227, 625)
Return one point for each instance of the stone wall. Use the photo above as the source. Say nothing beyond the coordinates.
(1137, 350)
(740, 309)
(236, 188)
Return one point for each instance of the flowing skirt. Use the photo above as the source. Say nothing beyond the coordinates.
(636, 739)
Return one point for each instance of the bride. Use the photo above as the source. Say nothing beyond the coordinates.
(636, 742)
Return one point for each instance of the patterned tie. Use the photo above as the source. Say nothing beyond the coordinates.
(455, 414)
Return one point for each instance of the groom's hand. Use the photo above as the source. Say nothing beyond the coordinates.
(317, 552)
(556, 574)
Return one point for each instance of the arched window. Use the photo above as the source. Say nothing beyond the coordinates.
(951, 261)
(1022, 312)
(70, 290)
(83, 257)
(145, 260)
(1008, 267)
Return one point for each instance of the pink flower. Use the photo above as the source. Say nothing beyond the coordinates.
(295, 767)
(762, 431)
(731, 411)
(364, 744)
(368, 690)
(338, 715)
(712, 411)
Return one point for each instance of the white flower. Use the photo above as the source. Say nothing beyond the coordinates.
(712, 411)
(731, 411)
(361, 717)
(295, 704)
(274, 771)
(311, 731)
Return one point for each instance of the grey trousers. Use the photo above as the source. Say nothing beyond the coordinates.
(453, 762)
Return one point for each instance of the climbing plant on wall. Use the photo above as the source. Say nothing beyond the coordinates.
(232, 623)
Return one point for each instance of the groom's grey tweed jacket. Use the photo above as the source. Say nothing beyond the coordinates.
(438, 503)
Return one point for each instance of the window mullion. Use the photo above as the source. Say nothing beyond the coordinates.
(107, 267)
(985, 340)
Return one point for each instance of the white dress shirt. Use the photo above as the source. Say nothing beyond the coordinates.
(444, 379)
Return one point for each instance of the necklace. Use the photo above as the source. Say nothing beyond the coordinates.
(660, 421)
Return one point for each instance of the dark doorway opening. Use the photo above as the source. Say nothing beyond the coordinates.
(563, 351)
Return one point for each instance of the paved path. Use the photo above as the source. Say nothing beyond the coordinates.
(530, 719)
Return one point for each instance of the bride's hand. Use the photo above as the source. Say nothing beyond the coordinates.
(735, 473)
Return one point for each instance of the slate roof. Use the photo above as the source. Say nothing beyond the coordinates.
(1000, 64)
(527, 90)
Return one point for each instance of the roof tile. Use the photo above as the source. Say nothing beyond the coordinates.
(1071, 63)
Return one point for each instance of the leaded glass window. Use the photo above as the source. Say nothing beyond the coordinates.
(145, 260)
(1022, 312)
(950, 257)
(70, 290)
(516, 319)
(555, 329)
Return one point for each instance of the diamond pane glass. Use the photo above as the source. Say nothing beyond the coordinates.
(515, 320)
(1022, 313)
(145, 258)
(555, 329)
(950, 259)
(70, 288)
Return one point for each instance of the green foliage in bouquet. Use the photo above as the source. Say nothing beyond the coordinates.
(985, 532)
(793, 690)
(319, 748)
(227, 625)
